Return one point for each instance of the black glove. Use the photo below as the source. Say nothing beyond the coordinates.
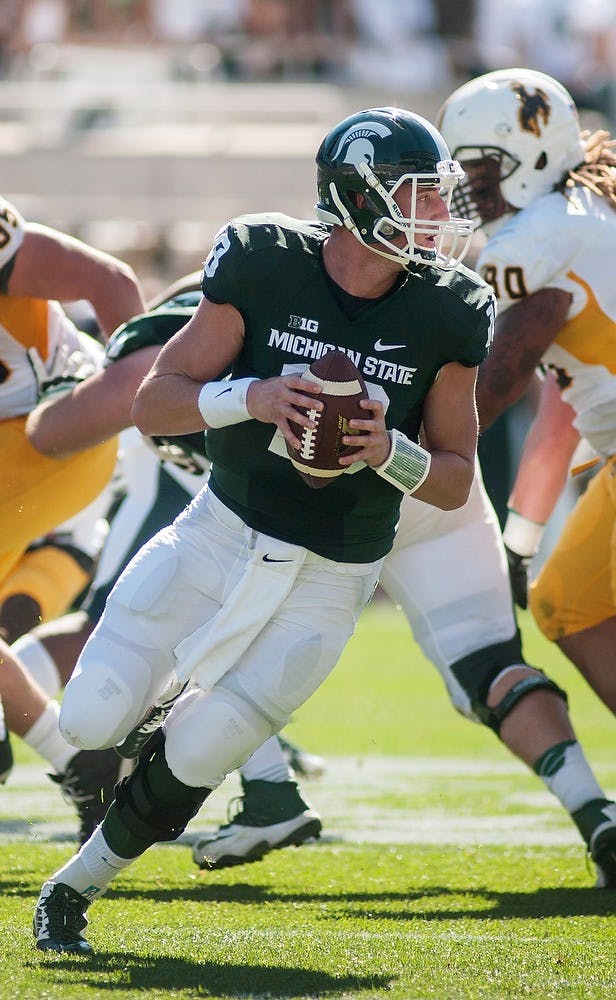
(518, 577)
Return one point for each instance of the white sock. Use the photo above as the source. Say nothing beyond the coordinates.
(46, 739)
(268, 763)
(565, 771)
(91, 870)
(39, 663)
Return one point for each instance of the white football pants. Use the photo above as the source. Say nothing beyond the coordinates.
(254, 624)
(448, 572)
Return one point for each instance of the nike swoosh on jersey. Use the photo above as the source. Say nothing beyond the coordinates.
(268, 558)
(380, 346)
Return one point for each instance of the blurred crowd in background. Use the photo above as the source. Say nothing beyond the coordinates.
(406, 43)
(143, 125)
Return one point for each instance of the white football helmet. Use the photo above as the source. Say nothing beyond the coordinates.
(517, 134)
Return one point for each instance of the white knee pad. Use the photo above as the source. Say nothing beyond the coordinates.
(209, 734)
(100, 706)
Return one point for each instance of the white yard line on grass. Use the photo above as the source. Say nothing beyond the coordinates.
(360, 799)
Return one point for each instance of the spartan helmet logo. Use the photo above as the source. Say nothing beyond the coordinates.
(532, 107)
(359, 148)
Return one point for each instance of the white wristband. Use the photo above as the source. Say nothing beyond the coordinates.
(224, 403)
(407, 464)
(521, 535)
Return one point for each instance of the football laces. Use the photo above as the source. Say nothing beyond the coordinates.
(309, 435)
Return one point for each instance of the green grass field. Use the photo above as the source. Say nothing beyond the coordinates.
(445, 869)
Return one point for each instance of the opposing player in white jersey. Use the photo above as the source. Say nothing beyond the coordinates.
(39, 268)
(546, 194)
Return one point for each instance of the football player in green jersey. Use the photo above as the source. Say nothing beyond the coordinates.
(158, 479)
(253, 592)
(463, 621)
(63, 901)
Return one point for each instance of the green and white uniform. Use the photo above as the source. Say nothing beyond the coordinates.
(252, 593)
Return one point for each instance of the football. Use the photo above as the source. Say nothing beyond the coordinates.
(342, 389)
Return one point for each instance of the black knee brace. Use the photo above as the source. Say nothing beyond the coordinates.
(494, 716)
(152, 803)
(476, 672)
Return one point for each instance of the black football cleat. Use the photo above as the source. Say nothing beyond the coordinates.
(88, 783)
(59, 918)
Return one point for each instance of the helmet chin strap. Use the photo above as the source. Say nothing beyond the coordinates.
(344, 218)
(384, 228)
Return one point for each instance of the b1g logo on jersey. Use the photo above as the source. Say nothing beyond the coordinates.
(301, 323)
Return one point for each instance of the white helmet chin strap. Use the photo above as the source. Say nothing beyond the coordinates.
(455, 233)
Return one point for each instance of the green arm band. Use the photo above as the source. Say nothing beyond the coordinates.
(407, 464)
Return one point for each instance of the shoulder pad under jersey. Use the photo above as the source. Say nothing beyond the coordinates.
(151, 329)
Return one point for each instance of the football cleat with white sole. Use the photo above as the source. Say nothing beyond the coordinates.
(305, 764)
(596, 822)
(273, 815)
(603, 852)
(59, 918)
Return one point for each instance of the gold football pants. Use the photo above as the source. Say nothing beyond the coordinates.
(576, 587)
(37, 493)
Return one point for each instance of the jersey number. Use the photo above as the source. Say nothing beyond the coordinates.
(513, 281)
(221, 245)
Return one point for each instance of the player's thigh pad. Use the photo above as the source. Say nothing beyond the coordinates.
(128, 660)
(208, 734)
(298, 648)
(453, 586)
(146, 509)
(576, 587)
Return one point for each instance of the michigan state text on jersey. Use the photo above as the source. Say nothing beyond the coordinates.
(399, 343)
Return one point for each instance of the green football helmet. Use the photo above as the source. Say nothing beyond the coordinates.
(373, 153)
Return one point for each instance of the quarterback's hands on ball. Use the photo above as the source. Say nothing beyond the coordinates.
(518, 576)
(371, 437)
(281, 399)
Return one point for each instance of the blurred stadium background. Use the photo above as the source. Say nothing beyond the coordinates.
(141, 126)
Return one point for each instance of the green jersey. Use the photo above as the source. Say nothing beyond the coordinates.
(270, 268)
